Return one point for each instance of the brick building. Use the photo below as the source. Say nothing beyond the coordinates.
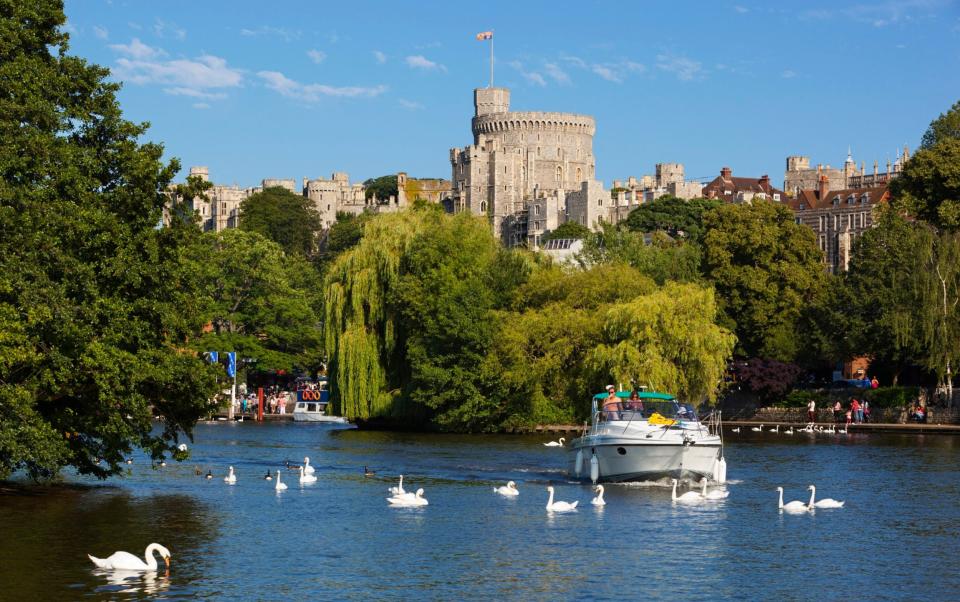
(732, 189)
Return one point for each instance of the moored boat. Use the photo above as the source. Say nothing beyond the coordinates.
(312, 405)
(648, 438)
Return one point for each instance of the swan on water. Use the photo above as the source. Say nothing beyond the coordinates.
(230, 478)
(598, 501)
(510, 489)
(689, 497)
(306, 478)
(279, 486)
(125, 561)
(794, 506)
(736, 430)
(825, 502)
(558, 443)
(553, 506)
(368, 473)
(757, 429)
(842, 431)
(774, 430)
(789, 431)
(306, 466)
(268, 476)
(713, 494)
(397, 489)
(409, 499)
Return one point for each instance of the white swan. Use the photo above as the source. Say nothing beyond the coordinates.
(279, 486)
(398, 490)
(307, 469)
(825, 502)
(553, 506)
(757, 429)
(231, 478)
(510, 489)
(713, 494)
(306, 478)
(842, 431)
(689, 497)
(410, 499)
(774, 430)
(789, 431)
(125, 561)
(558, 443)
(599, 501)
(794, 506)
(736, 430)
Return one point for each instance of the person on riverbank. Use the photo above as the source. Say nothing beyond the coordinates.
(811, 411)
(874, 383)
(849, 418)
(837, 412)
(634, 403)
(866, 410)
(857, 412)
(919, 414)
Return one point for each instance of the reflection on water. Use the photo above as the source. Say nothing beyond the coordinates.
(338, 538)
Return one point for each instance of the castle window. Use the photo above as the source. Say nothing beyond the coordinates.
(579, 175)
(599, 201)
(538, 151)
(536, 209)
(483, 206)
(559, 174)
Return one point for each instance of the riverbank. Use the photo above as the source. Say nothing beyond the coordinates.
(870, 427)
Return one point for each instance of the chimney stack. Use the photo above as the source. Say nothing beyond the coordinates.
(824, 187)
(725, 173)
(765, 182)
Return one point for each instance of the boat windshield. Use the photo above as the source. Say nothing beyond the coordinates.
(645, 409)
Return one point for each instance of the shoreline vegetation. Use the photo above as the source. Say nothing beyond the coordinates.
(421, 319)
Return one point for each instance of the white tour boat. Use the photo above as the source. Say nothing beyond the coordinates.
(646, 439)
(312, 406)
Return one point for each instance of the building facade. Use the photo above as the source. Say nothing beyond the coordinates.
(735, 189)
(669, 180)
(800, 176)
(837, 217)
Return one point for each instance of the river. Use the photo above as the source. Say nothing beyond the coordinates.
(897, 538)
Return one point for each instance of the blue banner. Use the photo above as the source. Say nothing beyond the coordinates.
(213, 357)
(232, 364)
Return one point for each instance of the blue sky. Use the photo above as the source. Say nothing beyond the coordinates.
(294, 89)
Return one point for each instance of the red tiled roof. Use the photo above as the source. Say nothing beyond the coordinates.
(810, 199)
(734, 184)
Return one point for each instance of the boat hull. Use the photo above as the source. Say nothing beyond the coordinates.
(314, 417)
(630, 460)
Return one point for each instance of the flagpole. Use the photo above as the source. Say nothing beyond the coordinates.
(491, 60)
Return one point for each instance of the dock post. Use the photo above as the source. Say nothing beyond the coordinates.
(259, 404)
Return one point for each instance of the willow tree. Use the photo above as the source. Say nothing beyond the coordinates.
(359, 320)
(667, 340)
(937, 284)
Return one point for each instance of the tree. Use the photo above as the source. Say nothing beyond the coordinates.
(677, 217)
(765, 268)
(661, 257)
(288, 219)
(383, 188)
(667, 340)
(567, 230)
(929, 184)
(96, 303)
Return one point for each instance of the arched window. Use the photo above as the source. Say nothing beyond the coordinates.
(483, 206)
(559, 174)
(579, 175)
(558, 152)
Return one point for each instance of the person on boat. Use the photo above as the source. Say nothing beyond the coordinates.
(634, 403)
(611, 405)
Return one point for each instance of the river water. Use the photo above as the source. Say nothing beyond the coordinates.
(897, 538)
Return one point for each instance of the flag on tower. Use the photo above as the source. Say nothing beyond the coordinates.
(485, 35)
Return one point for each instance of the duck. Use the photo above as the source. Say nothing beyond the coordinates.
(268, 476)
(598, 501)
(231, 478)
(409, 500)
(307, 469)
(306, 478)
(713, 494)
(794, 506)
(279, 486)
(125, 561)
(690, 497)
(553, 506)
(292, 466)
(209, 475)
(368, 473)
(398, 489)
(558, 443)
(510, 489)
(825, 502)
(736, 430)
(757, 429)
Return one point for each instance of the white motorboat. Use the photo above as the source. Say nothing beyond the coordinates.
(312, 405)
(649, 438)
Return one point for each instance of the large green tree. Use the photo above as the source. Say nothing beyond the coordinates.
(766, 268)
(656, 255)
(96, 303)
(678, 217)
(288, 219)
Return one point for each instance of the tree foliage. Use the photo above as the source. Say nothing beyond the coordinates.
(571, 229)
(96, 304)
(945, 127)
(678, 217)
(383, 188)
(765, 268)
(288, 219)
(661, 258)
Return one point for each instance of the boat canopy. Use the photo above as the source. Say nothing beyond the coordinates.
(640, 394)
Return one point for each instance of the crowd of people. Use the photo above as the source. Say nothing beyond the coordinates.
(276, 400)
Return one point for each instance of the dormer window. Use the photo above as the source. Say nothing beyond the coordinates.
(836, 201)
(850, 200)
